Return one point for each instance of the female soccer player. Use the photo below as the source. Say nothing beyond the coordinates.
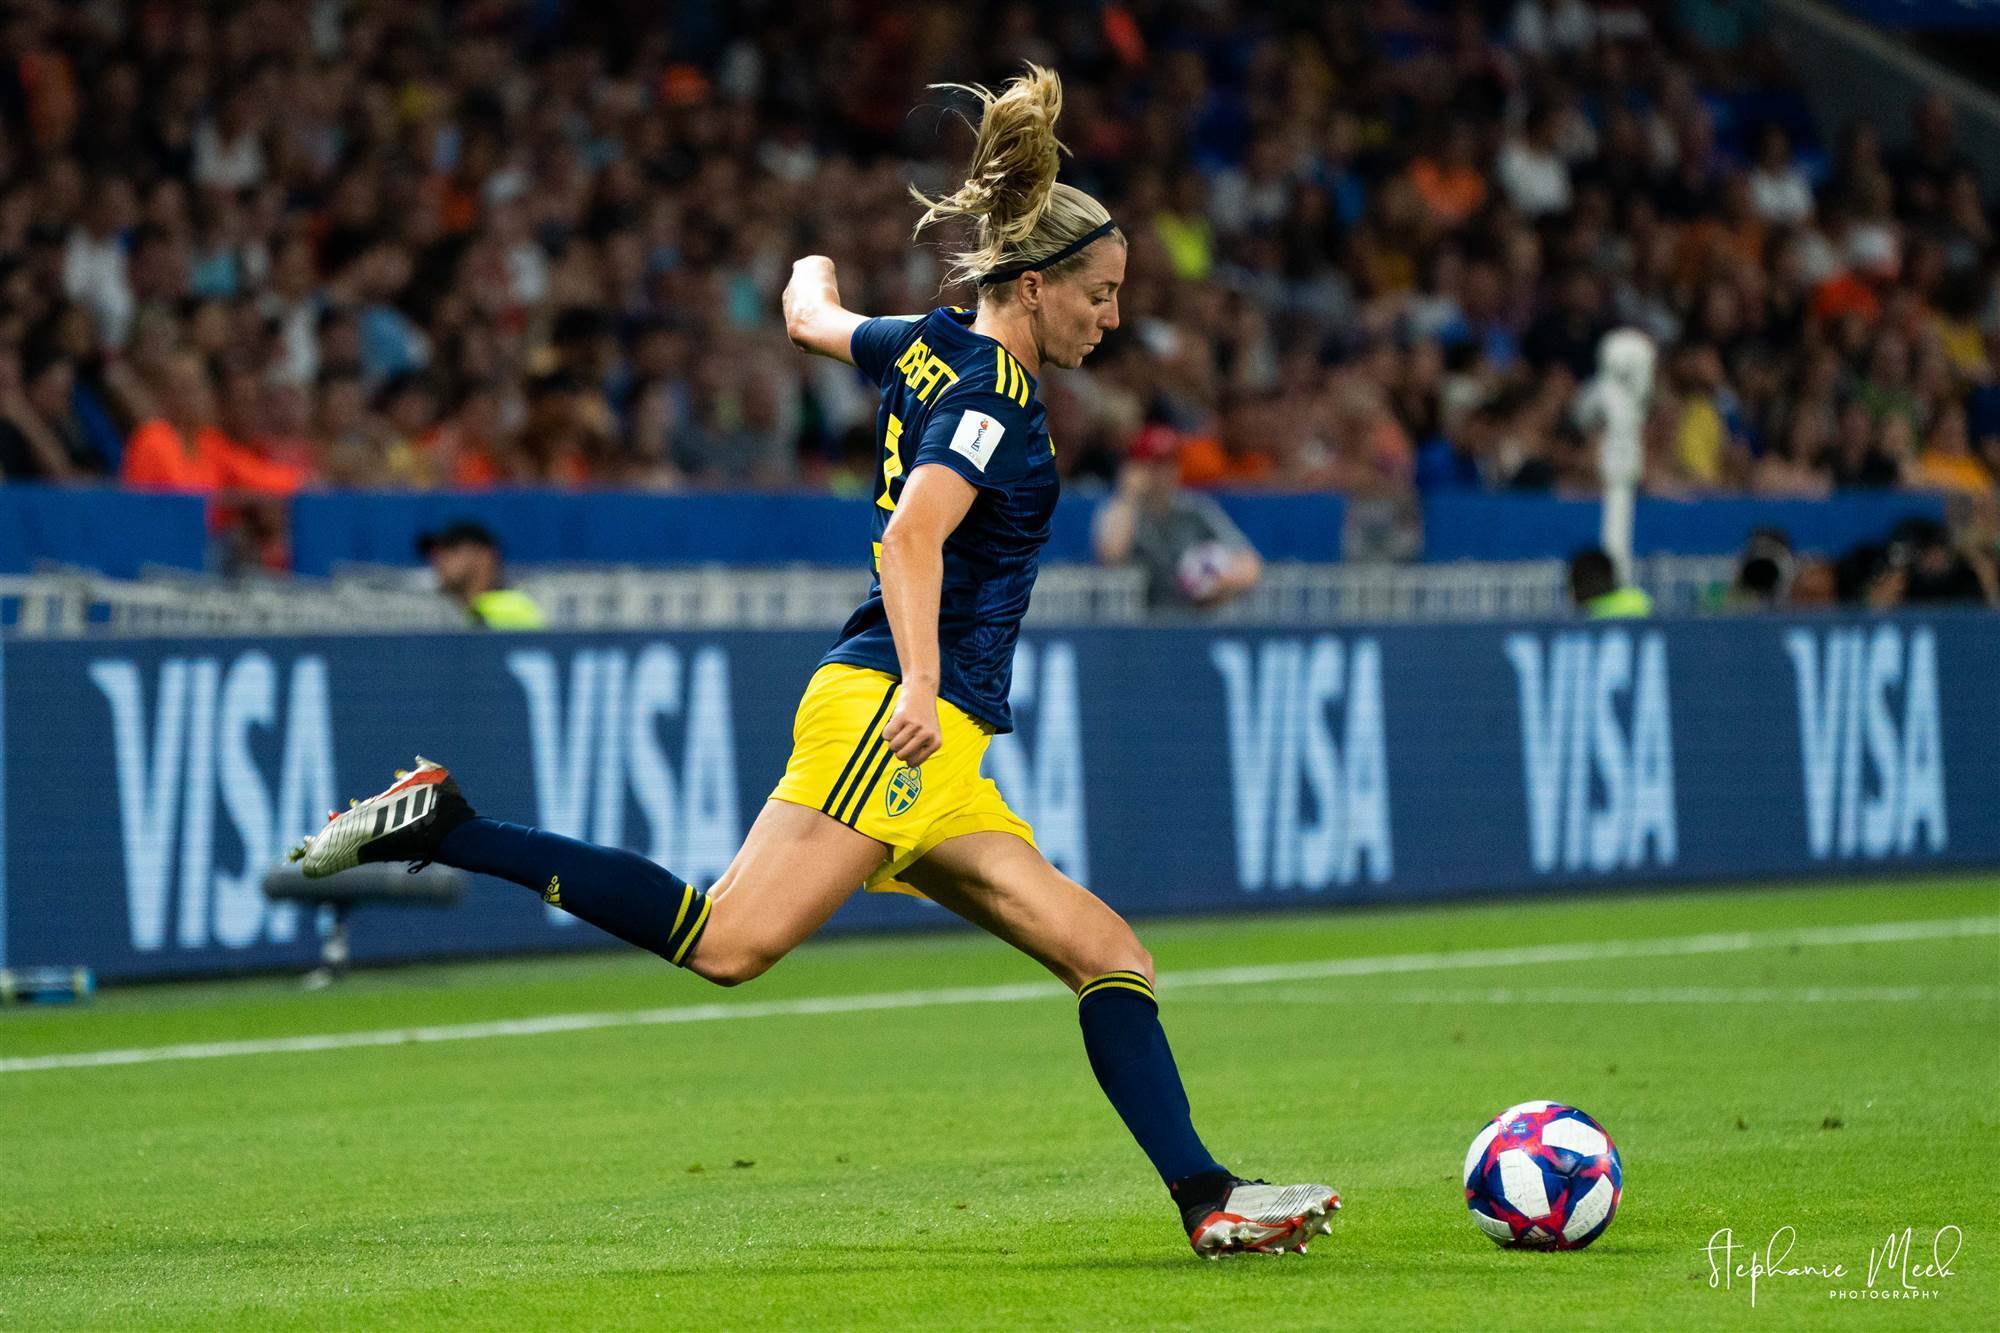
(883, 787)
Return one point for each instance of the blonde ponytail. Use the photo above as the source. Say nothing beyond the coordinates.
(1019, 211)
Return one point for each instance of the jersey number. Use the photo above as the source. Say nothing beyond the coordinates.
(892, 462)
(892, 468)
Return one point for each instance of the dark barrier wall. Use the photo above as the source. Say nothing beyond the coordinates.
(555, 527)
(542, 527)
(120, 533)
(1472, 526)
(148, 784)
(115, 532)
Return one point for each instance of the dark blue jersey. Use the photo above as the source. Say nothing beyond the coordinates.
(956, 398)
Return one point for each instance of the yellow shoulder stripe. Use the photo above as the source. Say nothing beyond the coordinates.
(1012, 381)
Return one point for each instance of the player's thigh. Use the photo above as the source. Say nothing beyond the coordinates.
(796, 867)
(1000, 883)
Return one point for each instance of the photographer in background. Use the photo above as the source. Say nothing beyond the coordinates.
(1191, 552)
(465, 557)
(1921, 564)
(1764, 571)
(1594, 587)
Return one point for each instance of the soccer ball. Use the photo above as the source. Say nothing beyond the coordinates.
(1542, 1175)
(1201, 568)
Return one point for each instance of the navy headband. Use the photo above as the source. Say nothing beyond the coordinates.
(1048, 261)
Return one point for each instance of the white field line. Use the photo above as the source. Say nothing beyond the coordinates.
(1640, 995)
(1888, 932)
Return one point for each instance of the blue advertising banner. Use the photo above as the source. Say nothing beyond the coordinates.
(148, 785)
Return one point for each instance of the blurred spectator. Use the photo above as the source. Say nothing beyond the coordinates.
(94, 268)
(1790, 465)
(1815, 585)
(1448, 180)
(1947, 462)
(1532, 170)
(465, 559)
(1706, 445)
(471, 441)
(1568, 333)
(185, 449)
(1858, 462)
(41, 436)
(1779, 190)
(1922, 565)
(1765, 571)
(1595, 590)
(1187, 547)
(1923, 170)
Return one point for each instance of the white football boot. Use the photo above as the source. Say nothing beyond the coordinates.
(1255, 1218)
(406, 822)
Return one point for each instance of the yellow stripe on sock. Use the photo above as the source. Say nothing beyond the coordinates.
(694, 931)
(1100, 986)
(1132, 981)
(687, 896)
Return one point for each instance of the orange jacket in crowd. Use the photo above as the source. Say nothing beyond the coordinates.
(156, 460)
(1205, 463)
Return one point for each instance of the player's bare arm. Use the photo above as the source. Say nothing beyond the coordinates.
(935, 501)
(815, 320)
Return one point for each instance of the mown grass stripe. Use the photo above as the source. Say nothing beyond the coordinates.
(1886, 932)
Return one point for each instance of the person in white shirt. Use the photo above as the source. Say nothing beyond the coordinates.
(1779, 193)
(1556, 28)
(228, 151)
(94, 270)
(1531, 169)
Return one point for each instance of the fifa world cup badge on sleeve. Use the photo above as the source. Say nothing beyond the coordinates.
(977, 436)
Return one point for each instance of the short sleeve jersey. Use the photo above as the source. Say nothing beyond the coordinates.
(958, 399)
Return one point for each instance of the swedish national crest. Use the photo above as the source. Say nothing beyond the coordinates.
(905, 786)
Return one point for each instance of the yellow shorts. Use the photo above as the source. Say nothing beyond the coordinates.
(841, 766)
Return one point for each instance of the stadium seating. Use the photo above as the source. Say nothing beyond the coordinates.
(1372, 251)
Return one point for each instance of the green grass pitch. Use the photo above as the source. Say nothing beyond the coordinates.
(952, 1165)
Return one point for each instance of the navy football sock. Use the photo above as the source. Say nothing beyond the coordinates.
(1129, 1054)
(617, 891)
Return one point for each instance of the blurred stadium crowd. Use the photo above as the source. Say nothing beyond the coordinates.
(264, 245)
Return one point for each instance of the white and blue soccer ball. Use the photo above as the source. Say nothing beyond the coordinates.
(1542, 1175)
(1201, 569)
